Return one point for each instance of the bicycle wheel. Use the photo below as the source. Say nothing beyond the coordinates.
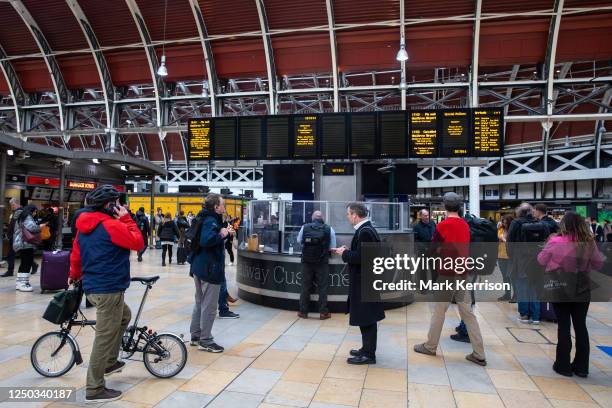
(53, 354)
(165, 355)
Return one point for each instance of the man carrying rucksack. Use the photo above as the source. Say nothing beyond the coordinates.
(26, 236)
(317, 239)
(540, 212)
(143, 225)
(525, 233)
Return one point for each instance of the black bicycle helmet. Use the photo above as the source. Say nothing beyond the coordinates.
(102, 195)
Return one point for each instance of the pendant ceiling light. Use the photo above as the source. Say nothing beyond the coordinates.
(162, 70)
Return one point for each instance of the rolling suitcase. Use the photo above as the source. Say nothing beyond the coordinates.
(54, 270)
(547, 312)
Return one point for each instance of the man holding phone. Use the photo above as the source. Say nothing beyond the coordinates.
(100, 259)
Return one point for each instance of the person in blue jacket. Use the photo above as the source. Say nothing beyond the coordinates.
(208, 269)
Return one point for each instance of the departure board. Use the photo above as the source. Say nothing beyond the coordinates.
(224, 138)
(199, 139)
(333, 136)
(250, 138)
(393, 134)
(487, 132)
(363, 135)
(423, 133)
(454, 132)
(305, 137)
(277, 137)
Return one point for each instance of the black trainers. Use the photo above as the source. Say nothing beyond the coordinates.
(460, 337)
(115, 368)
(228, 315)
(211, 348)
(106, 395)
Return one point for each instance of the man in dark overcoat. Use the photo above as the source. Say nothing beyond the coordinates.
(364, 315)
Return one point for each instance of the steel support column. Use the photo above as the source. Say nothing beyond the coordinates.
(403, 80)
(334, 53)
(158, 84)
(209, 60)
(475, 54)
(270, 66)
(3, 159)
(60, 210)
(59, 86)
(103, 72)
(549, 72)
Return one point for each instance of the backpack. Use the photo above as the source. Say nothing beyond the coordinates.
(534, 231)
(483, 243)
(316, 237)
(141, 223)
(192, 236)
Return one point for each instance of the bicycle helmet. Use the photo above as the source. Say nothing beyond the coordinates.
(102, 195)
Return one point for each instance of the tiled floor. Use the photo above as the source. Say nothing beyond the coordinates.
(274, 360)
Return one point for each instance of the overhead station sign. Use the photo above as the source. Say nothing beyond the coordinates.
(423, 133)
(488, 128)
(418, 133)
(199, 138)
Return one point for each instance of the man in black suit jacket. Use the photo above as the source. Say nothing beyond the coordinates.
(364, 315)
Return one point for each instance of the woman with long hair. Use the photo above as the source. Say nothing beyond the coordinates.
(167, 232)
(573, 250)
(502, 253)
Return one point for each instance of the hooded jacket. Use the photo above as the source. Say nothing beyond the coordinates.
(101, 252)
(208, 264)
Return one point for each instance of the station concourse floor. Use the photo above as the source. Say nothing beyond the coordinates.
(273, 359)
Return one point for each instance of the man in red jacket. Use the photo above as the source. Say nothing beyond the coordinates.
(452, 236)
(100, 259)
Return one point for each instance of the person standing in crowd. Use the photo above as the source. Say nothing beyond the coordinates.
(100, 259)
(158, 220)
(454, 230)
(167, 232)
(524, 235)
(182, 225)
(317, 239)
(597, 230)
(362, 314)
(208, 270)
(573, 251)
(607, 231)
(230, 239)
(424, 228)
(190, 217)
(540, 212)
(25, 221)
(503, 261)
(10, 256)
(145, 229)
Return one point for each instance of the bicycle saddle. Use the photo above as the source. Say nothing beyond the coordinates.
(145, 279)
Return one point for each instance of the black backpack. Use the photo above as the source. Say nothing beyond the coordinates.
(316, 237)
(483, 243)
(192, 236)
(534, 231)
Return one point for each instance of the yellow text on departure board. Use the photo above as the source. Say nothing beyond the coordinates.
(199, 140)
(487, 131)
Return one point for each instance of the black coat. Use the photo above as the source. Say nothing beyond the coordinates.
(361, 314)
(168, 231)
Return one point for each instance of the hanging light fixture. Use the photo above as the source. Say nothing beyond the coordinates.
(162, 70)
(204, 89)
(402, 54)
(137, 152)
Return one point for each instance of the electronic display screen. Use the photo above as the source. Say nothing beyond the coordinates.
(423, 131)
(487, 132)
(363, 135)
(338, 169)
(199, 138)
(250, 138)
(305, 137)
(287, 178)
(333, 136)
(375, 182)
(224, 139)
(455, 132)
(277, 137)
(393, 134)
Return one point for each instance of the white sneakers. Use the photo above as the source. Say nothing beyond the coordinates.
(22, 282)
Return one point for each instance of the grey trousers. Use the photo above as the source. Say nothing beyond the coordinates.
(204, 310)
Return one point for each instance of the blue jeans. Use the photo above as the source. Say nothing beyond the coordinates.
(223, 306)
(528, 305)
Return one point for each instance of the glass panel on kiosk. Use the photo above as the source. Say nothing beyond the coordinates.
(298, 213)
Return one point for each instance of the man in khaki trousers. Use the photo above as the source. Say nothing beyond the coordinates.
(452, 238)
(100, 259)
